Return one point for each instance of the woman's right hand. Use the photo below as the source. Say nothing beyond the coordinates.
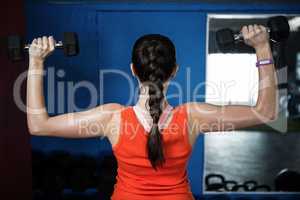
(41, 48)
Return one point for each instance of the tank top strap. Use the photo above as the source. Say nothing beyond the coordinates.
(130, 126)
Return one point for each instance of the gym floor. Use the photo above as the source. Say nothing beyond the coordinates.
(252, 155)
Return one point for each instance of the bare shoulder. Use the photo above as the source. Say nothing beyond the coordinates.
(191, 108)
(112, 127)
(113, 110)
(200, 109)
(115, 107)
(104, 116)
(186, 107)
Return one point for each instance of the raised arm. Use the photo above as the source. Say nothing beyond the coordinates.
(92, 123)
(205, 117)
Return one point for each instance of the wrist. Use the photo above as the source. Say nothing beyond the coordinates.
(37, 62)
(264, 52)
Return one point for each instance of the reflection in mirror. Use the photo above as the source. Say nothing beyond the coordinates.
(262, 158)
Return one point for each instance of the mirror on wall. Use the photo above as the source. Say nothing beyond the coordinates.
(265, 158)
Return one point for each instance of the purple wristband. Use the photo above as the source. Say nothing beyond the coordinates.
(264, 62)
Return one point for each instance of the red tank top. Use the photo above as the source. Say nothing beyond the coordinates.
(136, 179)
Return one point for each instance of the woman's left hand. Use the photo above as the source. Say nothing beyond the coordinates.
(255, 36)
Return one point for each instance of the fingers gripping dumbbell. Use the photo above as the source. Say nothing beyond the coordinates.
(16, 47)
(278, 28)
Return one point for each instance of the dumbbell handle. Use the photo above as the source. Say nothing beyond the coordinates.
(58, 44)
(239, 36)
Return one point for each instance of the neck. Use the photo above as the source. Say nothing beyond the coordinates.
(143, 98)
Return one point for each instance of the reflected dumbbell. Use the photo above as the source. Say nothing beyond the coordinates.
(214, 182)
(218, 183)
(16, 46)
(262, 188)
(229, 185)
(250, 185)
(287, 181)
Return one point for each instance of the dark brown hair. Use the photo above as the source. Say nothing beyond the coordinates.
(154, 61)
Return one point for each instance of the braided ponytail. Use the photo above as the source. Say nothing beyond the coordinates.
(154, 60)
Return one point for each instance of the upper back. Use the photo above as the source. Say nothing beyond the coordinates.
(134, 168)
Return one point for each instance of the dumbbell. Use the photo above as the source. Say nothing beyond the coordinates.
(277, 26)
(287, 181)
(16, 47)
(214, 182)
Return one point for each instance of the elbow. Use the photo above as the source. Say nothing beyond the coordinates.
(273, 116)
(33, 131)
(37, 124)
(35, 128)
(273, 113)
(267, 115)
(270, 118)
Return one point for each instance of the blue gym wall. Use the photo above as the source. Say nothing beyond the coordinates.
(105, 37)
